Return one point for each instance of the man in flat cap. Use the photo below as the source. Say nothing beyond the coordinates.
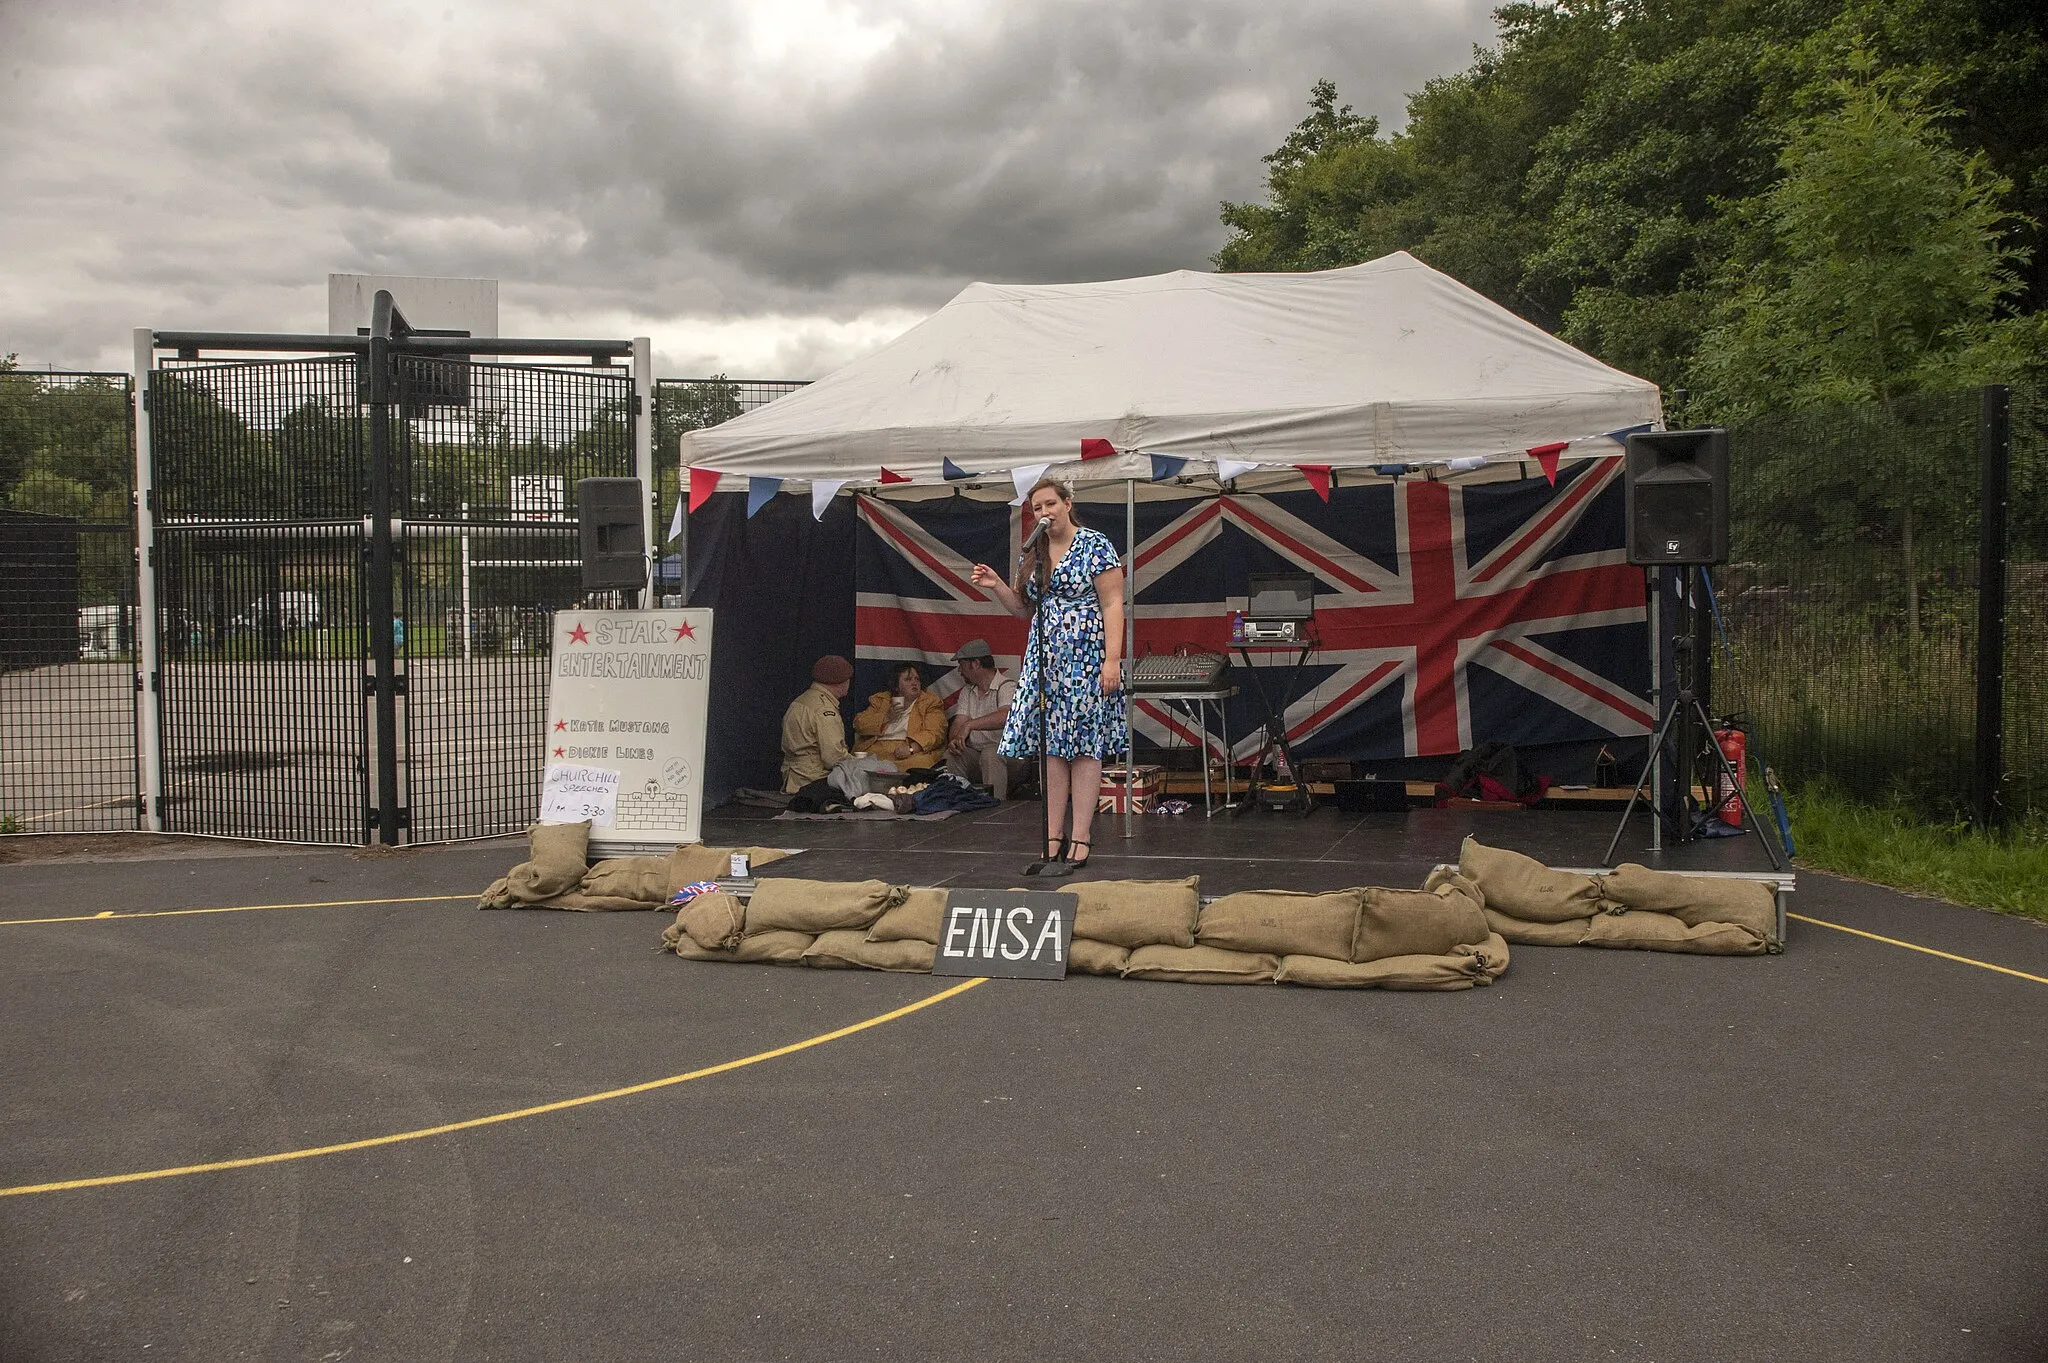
(979, 709)
(813, 732)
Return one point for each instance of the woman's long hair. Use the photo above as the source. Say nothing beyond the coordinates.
(1035, 563)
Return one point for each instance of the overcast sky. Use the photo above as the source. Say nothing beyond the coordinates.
(768, 188)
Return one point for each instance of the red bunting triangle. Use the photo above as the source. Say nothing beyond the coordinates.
(889, 477)
(1318, 476)
(1097, 449)
(703, 482)
(1546, 458)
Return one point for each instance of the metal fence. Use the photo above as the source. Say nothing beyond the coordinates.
(1857, 601)
(67, 603)
(692, 404)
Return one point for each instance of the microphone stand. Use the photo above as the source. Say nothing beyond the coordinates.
(1044, 865)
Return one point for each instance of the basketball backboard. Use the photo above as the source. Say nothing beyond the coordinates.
(467, 306)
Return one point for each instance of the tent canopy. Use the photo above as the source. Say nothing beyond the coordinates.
(1389, 362)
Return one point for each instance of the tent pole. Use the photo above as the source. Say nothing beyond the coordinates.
(1130, 646)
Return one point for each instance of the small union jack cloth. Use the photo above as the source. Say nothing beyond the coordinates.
(692, 890)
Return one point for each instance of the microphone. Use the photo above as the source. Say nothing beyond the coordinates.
(1044, 526)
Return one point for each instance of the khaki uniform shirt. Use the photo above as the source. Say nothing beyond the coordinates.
(813, 738)
(973, 702)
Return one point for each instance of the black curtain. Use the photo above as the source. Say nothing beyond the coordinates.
(781, 586)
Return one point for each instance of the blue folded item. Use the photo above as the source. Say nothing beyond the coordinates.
(948, 793)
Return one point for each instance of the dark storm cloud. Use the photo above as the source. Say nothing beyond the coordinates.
(721, 163)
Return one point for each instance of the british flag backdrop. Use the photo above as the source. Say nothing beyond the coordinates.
(1447, 614)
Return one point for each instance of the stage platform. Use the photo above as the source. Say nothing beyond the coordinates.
(1255, 850)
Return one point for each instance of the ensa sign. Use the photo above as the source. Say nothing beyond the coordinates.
(1007, 934)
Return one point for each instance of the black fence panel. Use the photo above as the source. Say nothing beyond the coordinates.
(490, 552)
(258, 473)
(67, 604)
(1853, 594)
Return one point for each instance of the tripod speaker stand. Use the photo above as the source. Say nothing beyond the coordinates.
(1684, 711)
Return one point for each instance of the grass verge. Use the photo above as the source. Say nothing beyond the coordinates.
(1893, 846)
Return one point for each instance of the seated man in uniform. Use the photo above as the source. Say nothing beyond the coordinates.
(813, 733)
(979, 711)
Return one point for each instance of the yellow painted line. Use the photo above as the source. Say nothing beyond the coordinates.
(470, 1124)
(1913, 946)
(231, 908)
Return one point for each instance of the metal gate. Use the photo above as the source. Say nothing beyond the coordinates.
(352, 559)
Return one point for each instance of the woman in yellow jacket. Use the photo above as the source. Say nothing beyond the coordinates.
(905, 724)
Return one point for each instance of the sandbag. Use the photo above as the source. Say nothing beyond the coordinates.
(1136, 913)
(1466, 965)
(917, 919)
(1281, 922)
(1201, 965)
(848, 947)
(638, 878)
(713, 921)
(1096, 958)
(556, 854)
(1522, 932)
(1451, 880)
(690, 951)
(575, 901)
(1523, 887)
(777, 947)
(786, 904)
(694, 862)
(1642, 931)
(1694, 900)
(1412, 923)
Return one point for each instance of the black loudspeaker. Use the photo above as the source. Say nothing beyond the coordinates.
(1677, 485)
(612, 531)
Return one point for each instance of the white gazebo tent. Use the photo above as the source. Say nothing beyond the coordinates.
(1388, 368)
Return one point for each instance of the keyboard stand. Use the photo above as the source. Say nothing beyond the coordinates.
(1201, 701)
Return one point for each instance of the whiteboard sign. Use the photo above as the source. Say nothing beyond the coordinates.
(627, 697)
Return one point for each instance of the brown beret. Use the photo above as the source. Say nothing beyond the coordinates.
(831, 670)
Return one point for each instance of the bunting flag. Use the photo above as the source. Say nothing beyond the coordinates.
(1621, 436)
(1450, 613)
(1318, 476)
(1165, 466)
(1395, 470)
(703, 482)
(675, 522)
(1024, 478)
(951, 471)
(889, 477)
(823, 490)
(1465, 463)
(1546, 458)
(1097, 449)
(760, 492)
(1228, 469)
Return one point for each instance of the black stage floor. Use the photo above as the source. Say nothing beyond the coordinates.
(1256, 850)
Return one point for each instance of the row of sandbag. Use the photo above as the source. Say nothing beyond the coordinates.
(1631, 906)
(555, 874)
(1138, 929)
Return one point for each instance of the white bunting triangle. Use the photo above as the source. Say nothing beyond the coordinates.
(1024, 478)
(823, 490)
(675, 524)
(1227, 469)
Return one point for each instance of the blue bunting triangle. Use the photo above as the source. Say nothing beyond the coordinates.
(952, 471)
(760, 491)
(1165, 466)
(1621, 436)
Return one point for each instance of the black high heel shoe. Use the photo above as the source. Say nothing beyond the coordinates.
(1080, 864)
(1054, 863)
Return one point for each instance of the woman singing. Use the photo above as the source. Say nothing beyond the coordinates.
(1076, 572)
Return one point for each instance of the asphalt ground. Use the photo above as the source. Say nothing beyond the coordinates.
(1836, 1153)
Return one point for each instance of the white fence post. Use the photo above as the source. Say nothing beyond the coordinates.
(149, 732)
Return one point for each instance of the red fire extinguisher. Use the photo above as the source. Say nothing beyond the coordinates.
(1734, 745)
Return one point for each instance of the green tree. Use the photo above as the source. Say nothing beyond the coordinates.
(1877, 268)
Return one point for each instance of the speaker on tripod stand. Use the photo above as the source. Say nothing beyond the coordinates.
(1676, 488)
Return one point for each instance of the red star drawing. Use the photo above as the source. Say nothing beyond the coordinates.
(579, 635)
(683, 631)
(558, 752)
(561, 724)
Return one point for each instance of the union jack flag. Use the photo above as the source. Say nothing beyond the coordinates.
(1446, 614)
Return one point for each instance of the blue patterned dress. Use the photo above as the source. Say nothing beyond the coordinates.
(1079, 720)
